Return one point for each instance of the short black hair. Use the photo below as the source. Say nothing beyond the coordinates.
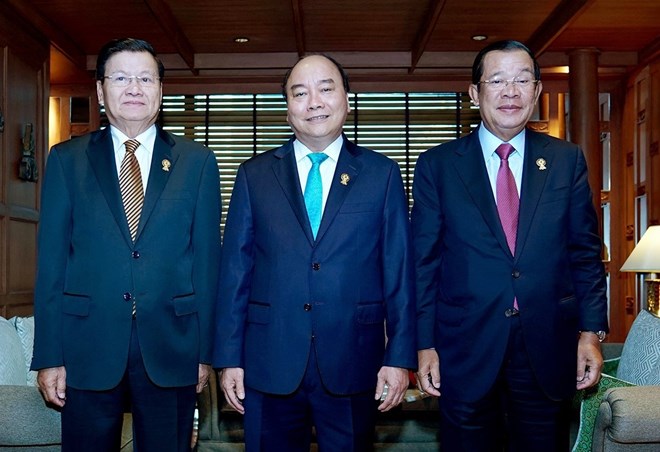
(342, 72)
(504, 46)
(125, 45)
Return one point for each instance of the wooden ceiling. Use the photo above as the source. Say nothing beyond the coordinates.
(375, 39)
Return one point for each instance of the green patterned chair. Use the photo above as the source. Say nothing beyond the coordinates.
(623, 412)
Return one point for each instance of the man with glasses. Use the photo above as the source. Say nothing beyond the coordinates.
(511, 292)
(129, 249)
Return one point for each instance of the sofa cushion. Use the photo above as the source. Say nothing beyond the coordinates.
(25, 329)
(640, 358)
(12, 360)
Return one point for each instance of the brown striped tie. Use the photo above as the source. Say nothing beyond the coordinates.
(130, 185)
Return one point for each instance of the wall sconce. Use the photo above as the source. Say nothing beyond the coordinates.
(645, 258)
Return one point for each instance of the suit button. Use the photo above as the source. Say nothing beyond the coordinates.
(135, 254)
(307, 307)
(516, 274)
(316, 266)
(128, 296)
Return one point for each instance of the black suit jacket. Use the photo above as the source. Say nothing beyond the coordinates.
(89, 269)
(467, 277)
(282, 292)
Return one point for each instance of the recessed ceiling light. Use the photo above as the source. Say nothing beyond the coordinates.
(479, 37)
(241, 40)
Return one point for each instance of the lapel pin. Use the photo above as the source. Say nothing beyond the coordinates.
(344, 178)
(166, 164)
(541, 164)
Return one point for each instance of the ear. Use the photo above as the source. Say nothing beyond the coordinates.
(99, 92)
(473, 91)
(539, 88)
(348, 104)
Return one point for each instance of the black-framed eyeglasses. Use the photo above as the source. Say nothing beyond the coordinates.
(123, 80)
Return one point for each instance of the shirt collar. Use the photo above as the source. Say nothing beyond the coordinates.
(146, 138)
(490, 142)
(332, 151)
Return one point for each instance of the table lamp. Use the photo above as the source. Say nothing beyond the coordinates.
(645, 258)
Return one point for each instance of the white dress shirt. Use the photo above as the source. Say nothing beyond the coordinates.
(327, 168)
(489, 144)
(143, 153)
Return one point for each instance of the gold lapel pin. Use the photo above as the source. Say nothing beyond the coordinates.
(541, 164)
(344, 178)
(166, 164)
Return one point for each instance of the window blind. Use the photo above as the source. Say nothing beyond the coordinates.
(238, 126)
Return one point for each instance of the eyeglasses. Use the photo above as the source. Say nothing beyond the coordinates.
(520, 83)
(123, 80)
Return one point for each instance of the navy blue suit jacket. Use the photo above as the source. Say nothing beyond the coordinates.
(282, 293)
(467, 277)
(88, 265)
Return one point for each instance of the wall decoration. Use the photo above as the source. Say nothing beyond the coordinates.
(27, 169)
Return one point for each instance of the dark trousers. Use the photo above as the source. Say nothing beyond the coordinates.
(515, 416)
(162, 417)
(284, 423)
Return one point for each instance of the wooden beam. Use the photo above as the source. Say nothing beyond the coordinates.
(55, 35)
(424, 34)
(163, 14)
(298, 26)
(650, 52)
(558, 20)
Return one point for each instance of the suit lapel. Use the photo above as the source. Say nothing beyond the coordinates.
(101, 156)
(471, 168)
(163, 151)
(346, 173)
(533, 183)
(286, 172)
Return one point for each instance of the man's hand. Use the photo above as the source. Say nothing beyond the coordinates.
(203, 377)
(428, 375)
(589, 360)
(397, 382)
(52, 384)
(231, 382)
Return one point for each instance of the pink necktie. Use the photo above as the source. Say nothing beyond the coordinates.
(508, 201)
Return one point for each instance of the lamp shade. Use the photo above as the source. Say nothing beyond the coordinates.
(645, 258)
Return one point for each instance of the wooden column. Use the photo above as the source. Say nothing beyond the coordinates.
(584, 121)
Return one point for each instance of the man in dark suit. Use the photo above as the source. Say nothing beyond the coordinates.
(511, 291)
(305, 303)
(129, 249)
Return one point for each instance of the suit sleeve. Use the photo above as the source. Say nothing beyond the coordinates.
(427, 224)
(206, 248)
(584, 246)
(235, 277)
(53, 243)
(398, 277)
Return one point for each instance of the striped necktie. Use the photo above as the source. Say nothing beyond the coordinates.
(130, 185)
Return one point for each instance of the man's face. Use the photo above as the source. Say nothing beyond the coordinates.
(317, 103)
(505, 110)
(133, 107)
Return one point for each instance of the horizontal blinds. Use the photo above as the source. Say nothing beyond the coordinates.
(238, 126)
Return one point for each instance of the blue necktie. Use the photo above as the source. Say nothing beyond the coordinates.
(314, 191)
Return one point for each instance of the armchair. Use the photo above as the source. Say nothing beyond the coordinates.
(622, 413)
(26, 423)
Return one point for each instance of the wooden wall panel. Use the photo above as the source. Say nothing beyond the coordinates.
(23, 99)
(653, 120)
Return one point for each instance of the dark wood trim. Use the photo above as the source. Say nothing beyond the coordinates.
(425, 32)
(163, 15)
(558, 20)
